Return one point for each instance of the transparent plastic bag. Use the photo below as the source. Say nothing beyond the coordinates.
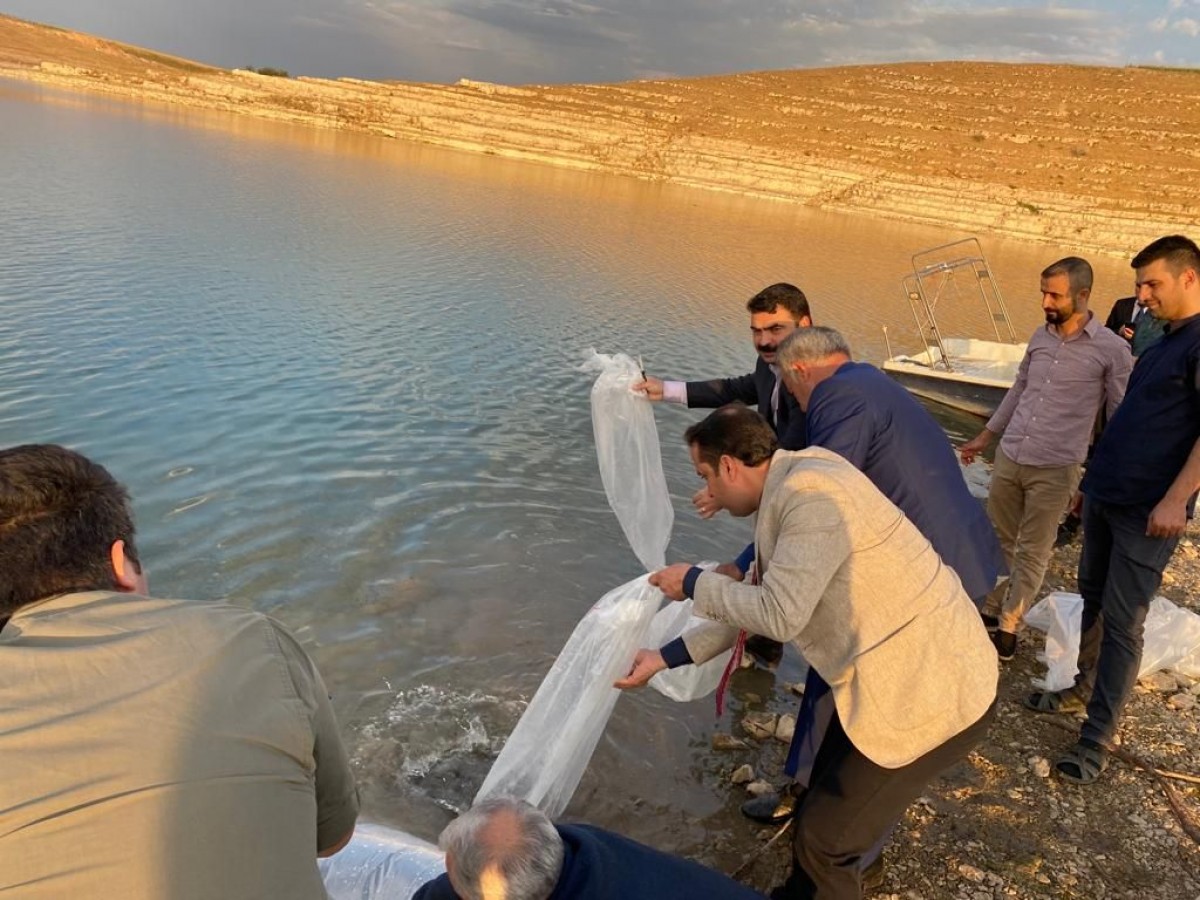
(1171, 639)
(380, 863)
(546, 754)
(687, 682)
(630, 458)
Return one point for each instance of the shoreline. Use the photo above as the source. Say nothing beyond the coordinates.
(946, 144)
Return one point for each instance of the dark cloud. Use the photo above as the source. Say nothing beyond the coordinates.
(607, 40)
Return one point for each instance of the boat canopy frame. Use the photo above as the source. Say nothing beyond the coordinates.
(937, 277)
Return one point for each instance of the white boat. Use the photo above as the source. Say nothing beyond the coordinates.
(949, 366)
(976, 380)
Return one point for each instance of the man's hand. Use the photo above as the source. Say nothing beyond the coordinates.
(646, 664)
(1168, 519)
(1076, 507)
(670, 580)
(976, 445)
(652, 387)
(730, 570)
(706, 504)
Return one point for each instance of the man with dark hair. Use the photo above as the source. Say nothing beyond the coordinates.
(775, 312)
(1138, 494)
(874, 610)
(1072, 368)
(150, 748)
(1129, 321)
(505, 848)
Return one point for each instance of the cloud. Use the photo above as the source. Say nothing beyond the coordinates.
(1190, 27)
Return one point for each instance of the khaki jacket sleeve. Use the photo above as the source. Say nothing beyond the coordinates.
(336, 793)
(812, 545)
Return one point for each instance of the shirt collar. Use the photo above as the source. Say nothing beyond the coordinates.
(1175, 327)
(1090, 327)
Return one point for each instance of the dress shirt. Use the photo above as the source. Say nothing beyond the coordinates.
(1048, 415)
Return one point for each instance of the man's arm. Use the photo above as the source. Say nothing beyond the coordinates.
(1116, 379)
(812, 545)
(1000, 418)
(333, 781)
(1169, 517)
(719, 391)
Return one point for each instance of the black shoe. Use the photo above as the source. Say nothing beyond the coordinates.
(1005, 643)
(991, 623)
(770, 809)
(1067, 530)
(764, 649)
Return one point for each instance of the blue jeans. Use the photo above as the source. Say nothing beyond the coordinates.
(1120, 569)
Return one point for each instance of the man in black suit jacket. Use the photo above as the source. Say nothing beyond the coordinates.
(775, 312)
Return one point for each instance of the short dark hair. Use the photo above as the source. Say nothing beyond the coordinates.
(771, 298)
(60, 514)
(1077, 269)
(733, 430)
(1178, 251)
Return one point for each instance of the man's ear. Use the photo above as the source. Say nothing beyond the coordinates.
(805, 322)
(127, 577)
(727, 467)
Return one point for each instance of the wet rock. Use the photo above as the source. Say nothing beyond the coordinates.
(1039, 766)
(759, 724)
(758, 788)
(751, 698)
(742, 774)
(1182, 701)
(796, 688)
(785, 728)
(728, 742)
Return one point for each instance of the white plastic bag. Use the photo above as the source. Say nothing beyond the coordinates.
(380, 864)
(686, 682)
(630, 458)
(546, 754)
(1172, 638)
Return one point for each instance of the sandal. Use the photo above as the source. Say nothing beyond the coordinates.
(1083, 763)
(1065, 702)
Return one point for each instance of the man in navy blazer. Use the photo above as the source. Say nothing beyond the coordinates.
(505, 848)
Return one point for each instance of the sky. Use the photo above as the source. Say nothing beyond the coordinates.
(555, 41)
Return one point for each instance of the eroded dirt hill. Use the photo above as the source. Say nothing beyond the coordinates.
(1092, 158)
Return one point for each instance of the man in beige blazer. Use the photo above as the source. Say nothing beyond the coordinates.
(864, 597)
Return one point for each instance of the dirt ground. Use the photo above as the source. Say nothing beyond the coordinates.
(1002, 825)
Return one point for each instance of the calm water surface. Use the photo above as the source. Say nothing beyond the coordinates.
(339, 376)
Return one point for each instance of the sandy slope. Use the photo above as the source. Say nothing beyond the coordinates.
(1098, 159)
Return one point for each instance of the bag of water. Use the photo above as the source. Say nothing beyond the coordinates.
(545, 756)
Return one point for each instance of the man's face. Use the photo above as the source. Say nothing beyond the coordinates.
(769, 330)
(724, 485)
(1057, 302)
(1161, 292)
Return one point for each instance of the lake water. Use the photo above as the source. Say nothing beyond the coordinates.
(339, 376)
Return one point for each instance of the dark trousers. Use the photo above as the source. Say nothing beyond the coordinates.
(1120, 568)
(851, 803)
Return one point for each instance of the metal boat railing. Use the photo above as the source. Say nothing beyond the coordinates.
(937, 279)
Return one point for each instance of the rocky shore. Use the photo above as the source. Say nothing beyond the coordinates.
(1002, 825)
(1092, 159)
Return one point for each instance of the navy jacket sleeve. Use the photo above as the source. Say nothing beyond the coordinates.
(719, 391)
(438, 889)
(838, 420)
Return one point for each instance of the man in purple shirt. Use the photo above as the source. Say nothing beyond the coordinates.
(1073, 367)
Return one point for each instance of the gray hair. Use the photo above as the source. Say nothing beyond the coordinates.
(529, 859)
(807, 344)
